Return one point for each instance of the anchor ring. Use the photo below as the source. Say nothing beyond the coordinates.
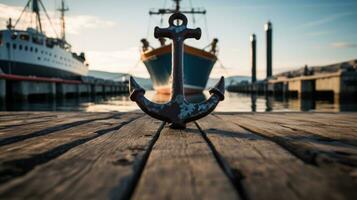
(177, 16)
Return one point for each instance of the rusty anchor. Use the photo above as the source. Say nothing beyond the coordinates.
(177, 111)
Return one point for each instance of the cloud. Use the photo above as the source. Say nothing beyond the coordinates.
(343, 45)
(319, 33)
(326, 19)
(126, 60)
(75, 24)
(286, 4)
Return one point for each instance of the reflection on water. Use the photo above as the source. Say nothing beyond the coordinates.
(233, 102)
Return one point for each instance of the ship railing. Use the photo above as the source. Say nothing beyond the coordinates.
(24, 37)
(37, 40)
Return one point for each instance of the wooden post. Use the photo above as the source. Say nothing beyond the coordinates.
(269, 48)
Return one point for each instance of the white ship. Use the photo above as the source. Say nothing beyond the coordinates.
(31, 53)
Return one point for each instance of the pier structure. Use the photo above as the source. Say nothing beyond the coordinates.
(341, 82)
(24, 87)
(337, 79)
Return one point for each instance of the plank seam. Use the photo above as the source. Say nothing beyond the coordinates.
(18, 138)
(313, 135)
(17, 125)
(138, 170)
(234, 175)
(313, 157)
(311, 161)
(19, 167)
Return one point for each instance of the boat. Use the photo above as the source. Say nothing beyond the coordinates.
(198, 62)
(31, 53)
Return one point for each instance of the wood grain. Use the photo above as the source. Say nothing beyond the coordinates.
(18, 158)
(100, 168)
(18, 133)
(181, 166)
(309, 147)
(247, 156)
(267, 171)
(329, 129)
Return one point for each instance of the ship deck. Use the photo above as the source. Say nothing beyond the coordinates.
(70, 155)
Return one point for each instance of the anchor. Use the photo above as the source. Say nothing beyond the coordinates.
(177, 111)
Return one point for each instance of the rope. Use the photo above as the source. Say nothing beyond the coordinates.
(27, 5)
(193, 16)
(135, 66)
(148, 28)
(222, 67)
(48, 17)
(206, 29)
(130, 72)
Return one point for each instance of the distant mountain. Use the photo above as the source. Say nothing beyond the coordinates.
(107, 75)
(116, 76)
(237, 79)
(144, 82)
(147, 84)
(228, 80)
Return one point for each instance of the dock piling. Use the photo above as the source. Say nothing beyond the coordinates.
(269, 48)
(254, 57)
(2, 89)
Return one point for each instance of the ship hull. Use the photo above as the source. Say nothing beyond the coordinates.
(26, 69)
(23, 55)
(198, 65)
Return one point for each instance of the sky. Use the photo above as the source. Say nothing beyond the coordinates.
(312, 32)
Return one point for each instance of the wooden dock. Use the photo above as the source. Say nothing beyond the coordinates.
(338, 79)
(23, 88)
(247, 156)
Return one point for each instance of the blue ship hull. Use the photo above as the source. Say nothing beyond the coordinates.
(198, 65)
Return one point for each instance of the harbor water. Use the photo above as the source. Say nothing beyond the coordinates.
(234, 102)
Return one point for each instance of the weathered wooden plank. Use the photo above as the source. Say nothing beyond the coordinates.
(30, 118)
(266, 171)
(19, 133)
(17, 113)
(341, 116)
(10, 124)
(329, 129)
(24, 115)
(310, 148)
(18, 158)
(8, 119)
(327, 118)
(181, 166)
(104, 167)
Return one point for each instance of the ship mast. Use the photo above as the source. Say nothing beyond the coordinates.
(177, 9)
(36, 10)
(63, 24)
(177, 5)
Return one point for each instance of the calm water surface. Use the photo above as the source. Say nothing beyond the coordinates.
(233, 102)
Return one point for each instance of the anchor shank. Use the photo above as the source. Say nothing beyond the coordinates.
(177, 111)
(177, 69)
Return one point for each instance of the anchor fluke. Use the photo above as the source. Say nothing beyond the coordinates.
(135, 89)
(218, 89)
